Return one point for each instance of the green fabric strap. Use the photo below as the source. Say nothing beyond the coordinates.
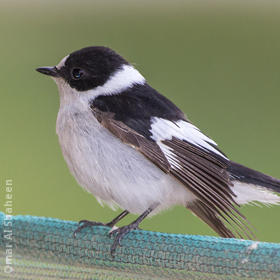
(44, 248)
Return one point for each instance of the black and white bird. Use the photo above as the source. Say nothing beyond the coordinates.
(130, 146)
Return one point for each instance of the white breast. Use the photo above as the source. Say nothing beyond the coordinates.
(112, 171)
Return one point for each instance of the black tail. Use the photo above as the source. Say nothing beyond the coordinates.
(250, 176)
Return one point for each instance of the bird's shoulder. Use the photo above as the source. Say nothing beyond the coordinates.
(136, 106)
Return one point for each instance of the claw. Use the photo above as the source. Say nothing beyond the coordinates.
(85, 223)
(120, 234)
(111, 232)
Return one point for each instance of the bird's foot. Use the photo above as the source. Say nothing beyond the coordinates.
(86, 223)
(120, 234)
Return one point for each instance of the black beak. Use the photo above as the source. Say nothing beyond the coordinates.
(50, 71)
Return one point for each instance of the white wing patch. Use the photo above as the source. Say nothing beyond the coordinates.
(173, 161)
(163, 129)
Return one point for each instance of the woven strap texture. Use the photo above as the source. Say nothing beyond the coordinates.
(44, 248)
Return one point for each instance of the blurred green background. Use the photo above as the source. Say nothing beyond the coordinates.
(219, 63)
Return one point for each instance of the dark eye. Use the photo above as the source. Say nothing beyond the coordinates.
(77, 73)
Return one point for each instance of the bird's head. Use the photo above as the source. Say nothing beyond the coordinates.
(93, 71)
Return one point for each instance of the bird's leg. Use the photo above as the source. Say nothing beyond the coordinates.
(86, 223)
(117, 219)
(122, 231)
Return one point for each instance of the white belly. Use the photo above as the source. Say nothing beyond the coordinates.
(111, 170)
